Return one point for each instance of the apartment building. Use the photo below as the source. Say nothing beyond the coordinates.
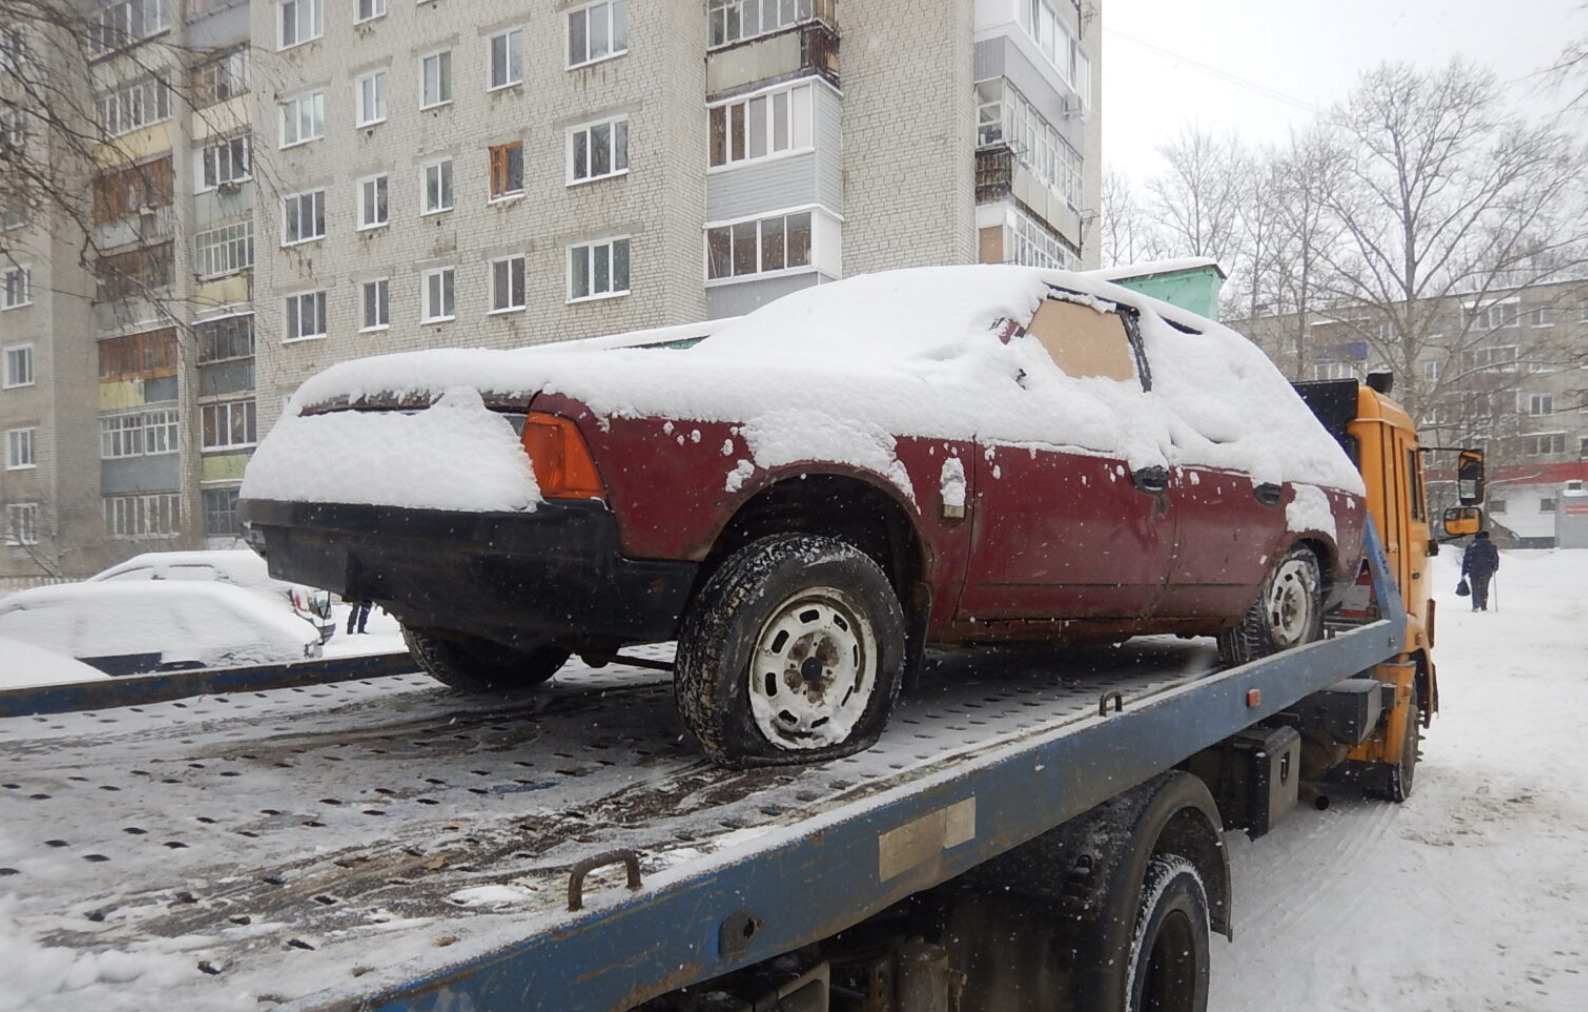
(323, 180)
(1506, 371)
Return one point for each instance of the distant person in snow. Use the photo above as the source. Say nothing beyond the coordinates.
(1478, 566)
(358, 614)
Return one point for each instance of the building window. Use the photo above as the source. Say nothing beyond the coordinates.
(372, 98)
(220, 513)
(133, 106)
(1544, 317)
(369, 10)
(132, 190)
(372, 211)
(731, 21)
(438, 187)
(597, 32)
(768, 124)
(1042, 23)
(225, 338)
(301, 22)
(1582, 447)
(507, 170)
(305, 316)
(230, 425)
(121, 24)
(18, 287)
(598, 149)
(1546, 505)
(224, 250)
(15, 213)
(1036, 246)
(1496, 506)
(135, 273)
(13, 48)
(1007, 117)
(1540, 404)
(224, 163)
(143, 516)
(221, 79)
(1493, 315)
(302, 119)
(377, 304)
(507, 58)
(436, 79)
(598, 269)
(1544, 445)
(141, 433)
(507, 284)
(438, 292)
(1502, 358)
(19, 366)
(150, 355)
(756, 247)
(302, 217)
(19, 449)
(22, 523)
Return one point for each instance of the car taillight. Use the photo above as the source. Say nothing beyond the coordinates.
(563, 466)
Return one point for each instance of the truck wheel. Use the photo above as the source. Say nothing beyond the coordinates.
(469, 664)
(1287, 613)
(1169, 952)
(792, 653)
(1397, 785)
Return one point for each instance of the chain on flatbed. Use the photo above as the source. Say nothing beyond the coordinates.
(304, 846)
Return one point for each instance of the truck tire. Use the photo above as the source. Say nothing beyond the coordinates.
(1169, 953)
(1396, 784)
(1288, 611)
(791, 653)
(475, 665)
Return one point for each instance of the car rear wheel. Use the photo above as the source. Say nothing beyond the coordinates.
(469, 664)
(792, 653)
(1287, 613)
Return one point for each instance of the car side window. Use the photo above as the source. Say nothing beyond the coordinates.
(1084, 342)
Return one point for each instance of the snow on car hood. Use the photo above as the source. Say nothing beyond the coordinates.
(901, 353)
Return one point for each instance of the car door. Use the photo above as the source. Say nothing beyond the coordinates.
(1228, 531)
(1064, 531)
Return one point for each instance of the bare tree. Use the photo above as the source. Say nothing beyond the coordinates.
(1198, 200)
(1128, 234)
(1446, 203)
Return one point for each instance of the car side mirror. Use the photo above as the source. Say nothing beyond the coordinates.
(1461, 521)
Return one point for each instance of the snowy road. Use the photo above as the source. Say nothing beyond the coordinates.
(1474, 894)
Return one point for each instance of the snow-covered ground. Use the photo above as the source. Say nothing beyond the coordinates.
(1473, 895)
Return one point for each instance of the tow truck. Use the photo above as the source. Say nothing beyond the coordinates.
(1035, 829)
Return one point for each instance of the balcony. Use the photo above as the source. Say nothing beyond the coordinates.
(999, 175)
(806, 49)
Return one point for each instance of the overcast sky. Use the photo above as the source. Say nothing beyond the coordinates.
(1265, 65)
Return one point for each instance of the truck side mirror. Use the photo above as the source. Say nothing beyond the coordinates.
(1463, 520)
(1469, 478)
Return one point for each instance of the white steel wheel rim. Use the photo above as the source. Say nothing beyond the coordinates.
(813, 670)
(1292, 600)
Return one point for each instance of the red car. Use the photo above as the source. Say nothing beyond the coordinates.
(809, 496)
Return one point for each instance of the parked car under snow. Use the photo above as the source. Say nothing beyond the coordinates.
(124, 628)
(814, 492)
(238, 567)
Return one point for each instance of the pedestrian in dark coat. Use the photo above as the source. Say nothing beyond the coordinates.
(358, 615)
(1478, 566)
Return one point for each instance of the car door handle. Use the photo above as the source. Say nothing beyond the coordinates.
(1268, 493)
(1151, 480)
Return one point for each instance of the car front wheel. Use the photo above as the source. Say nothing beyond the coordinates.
(469, 664)
(792, 653)
(1288, 611)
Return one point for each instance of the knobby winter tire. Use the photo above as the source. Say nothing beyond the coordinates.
(1288, 611)
(479, 666)
(791, 653)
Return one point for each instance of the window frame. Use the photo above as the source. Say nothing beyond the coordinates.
(293, 306)
(512, 55)
(381, 182)
(501, 169)
(209, 159)
(377, 10)
(520, 282)
(9, 376)
(22, 532)
(18, 296)
(241, 241)
(211, 417)
(22, 451)
(316, 25)
(444, 80)
(800, 120)
(589, 248)
(731, 231)
(316, 100)
(447, 277)
(584, 12)
(316, 201)
(142, 512)
(379, 79)
(383, 305)
(571, 150)
(443, 167)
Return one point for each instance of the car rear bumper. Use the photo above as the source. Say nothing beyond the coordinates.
(515, 578)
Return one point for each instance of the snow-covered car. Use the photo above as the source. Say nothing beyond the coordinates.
(29, 665)
(124, 628)
(238, 567)
(811, 494)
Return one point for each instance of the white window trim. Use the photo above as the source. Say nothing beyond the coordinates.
(791, 151)
(424, 187)
(287, 243)
(451, 81)
(18, 535)
(424, 294)
(228, 403)
(211, 144)
(377, 15)
(567, 157)
(5, 366)
(26, 272)
(32, 442)
(511, 82)
(281, 119)
(363, 327)
(361, 114)
(818, 216)
(567, 32)
(524, 266)
(305, 337)
(366, 226)
(567, 265)
(281, 26)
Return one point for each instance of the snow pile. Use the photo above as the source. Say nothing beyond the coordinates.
(37, 974)
(830, 373)
(1310, 511)
(25, 664)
